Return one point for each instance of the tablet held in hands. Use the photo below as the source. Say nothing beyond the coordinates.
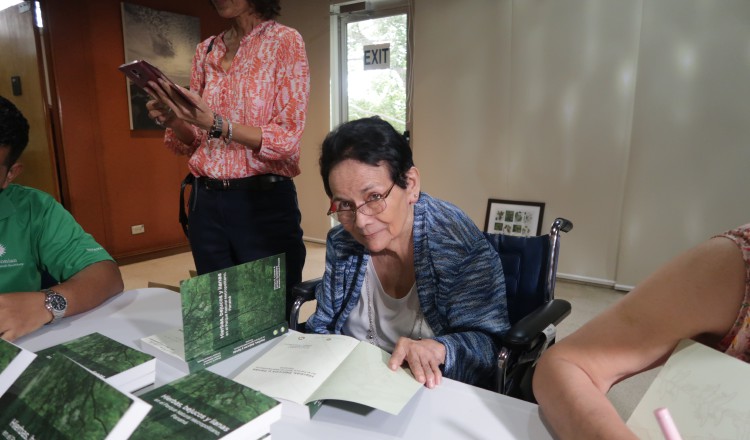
(141, 72)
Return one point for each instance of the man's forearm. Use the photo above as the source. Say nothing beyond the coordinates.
(91, 286)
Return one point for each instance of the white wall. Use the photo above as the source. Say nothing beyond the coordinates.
(688, 176)
(531, 101)
(627, 117)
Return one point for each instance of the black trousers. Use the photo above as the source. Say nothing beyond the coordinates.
(231, 227)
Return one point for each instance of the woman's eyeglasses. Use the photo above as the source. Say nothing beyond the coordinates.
(370, 207)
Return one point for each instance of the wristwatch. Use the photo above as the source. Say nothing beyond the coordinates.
(56, 304)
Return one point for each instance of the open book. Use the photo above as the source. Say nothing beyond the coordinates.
(304, 368)
(224, 313)
(63, 400)
(13, 362)
(125, 368)
(206, 405)
(707, 393)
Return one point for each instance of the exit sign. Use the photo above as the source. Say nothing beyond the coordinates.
(377, 56)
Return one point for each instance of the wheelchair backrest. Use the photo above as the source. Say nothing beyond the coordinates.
(525, 262)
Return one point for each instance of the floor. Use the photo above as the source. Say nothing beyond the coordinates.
(587, 301)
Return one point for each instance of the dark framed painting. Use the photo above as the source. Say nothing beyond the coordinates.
(513, 217)
(165, 39)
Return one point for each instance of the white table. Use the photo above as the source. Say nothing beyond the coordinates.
(452, 410)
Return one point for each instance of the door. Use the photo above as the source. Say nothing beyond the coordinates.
(373, 67)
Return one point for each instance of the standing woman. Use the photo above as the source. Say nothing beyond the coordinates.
(249, 89)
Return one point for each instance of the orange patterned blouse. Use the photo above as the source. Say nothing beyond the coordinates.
(737, 342)
(267, 86)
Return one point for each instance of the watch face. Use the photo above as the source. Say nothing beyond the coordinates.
(58, 302)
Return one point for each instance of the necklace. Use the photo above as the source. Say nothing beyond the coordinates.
(372, 336)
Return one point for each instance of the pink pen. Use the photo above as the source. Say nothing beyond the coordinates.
(668, 428)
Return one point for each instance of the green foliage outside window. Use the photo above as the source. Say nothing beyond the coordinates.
(378, 92)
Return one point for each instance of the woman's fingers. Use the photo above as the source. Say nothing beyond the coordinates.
(423, 357)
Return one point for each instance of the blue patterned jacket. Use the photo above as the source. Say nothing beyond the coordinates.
(459, 282)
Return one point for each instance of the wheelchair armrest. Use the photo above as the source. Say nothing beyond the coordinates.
(302, 292)
(527, 329)
(306, 289)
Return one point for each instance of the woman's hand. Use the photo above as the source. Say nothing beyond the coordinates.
(424, 358)
(169, 108)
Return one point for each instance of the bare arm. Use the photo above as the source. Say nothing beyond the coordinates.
(697, 295)
(23, 312)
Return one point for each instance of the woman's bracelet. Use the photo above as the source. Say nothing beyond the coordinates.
(228, 138)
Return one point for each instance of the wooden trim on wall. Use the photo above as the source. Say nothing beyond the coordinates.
(137, 257)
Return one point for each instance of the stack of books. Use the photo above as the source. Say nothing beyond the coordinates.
(55, 398)
(206, 405)
(82, 388)
(125, 368)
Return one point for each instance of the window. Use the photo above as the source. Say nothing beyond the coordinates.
(371, 53)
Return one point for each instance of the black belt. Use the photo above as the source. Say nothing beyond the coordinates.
(261, 182)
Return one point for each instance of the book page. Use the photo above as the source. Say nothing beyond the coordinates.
(171, 341)
(297, 365)
(706, 392)
(364, 377)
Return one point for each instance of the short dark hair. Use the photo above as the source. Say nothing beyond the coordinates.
(370, 141)
(14, 131)
(268, 9)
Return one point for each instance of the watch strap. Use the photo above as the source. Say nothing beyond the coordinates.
(56, 304)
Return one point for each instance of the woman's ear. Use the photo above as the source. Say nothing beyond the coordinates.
(413, 184)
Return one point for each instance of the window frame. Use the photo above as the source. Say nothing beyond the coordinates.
(339, 62)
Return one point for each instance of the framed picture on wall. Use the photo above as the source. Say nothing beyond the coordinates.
(512, 217)
(165, 39)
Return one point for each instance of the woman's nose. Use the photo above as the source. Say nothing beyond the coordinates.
(362, 220)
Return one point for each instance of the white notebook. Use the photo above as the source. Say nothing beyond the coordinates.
(707, 393)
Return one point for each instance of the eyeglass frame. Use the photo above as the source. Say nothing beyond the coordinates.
(357, 208)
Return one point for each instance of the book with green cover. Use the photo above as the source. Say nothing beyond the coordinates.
(62, 400)
(304, 368)
(224, 313)
(121, 366)
(13, 361)
(204, 405)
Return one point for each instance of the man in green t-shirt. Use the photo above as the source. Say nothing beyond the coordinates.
(37, 235)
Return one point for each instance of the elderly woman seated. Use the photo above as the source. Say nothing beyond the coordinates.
(404, 271)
